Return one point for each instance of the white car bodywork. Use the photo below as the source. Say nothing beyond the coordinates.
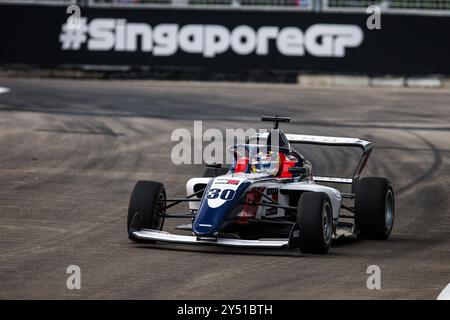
(283, 199)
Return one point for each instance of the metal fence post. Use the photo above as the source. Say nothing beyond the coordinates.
(317, 5)
(82, 3)
(180, 3)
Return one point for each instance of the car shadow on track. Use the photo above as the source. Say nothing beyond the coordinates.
(344, 242)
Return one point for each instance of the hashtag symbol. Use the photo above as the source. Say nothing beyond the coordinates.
(72, 38)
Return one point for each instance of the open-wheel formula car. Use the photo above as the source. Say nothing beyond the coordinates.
(269, 198)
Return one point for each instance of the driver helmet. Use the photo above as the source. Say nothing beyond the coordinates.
(266, 162)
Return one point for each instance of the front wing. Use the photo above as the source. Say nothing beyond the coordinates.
(155, 235)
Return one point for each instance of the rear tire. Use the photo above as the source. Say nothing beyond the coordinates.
(374, 207)
(315, 219)
(145, 207)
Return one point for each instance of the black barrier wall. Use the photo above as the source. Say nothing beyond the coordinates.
(304, 41)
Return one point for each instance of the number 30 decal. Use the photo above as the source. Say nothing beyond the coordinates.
(225, 194)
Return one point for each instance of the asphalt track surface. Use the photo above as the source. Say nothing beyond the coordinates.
(71, 152)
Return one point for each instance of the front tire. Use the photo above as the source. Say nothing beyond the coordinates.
(145, 210)
(315, 220)
(374, 207)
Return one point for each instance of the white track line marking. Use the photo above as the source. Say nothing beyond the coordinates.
(4, 90)
(445, 294)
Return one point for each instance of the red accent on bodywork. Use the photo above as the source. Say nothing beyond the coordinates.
(285, 164)
(275, 197)
(250, 208)
(241, 165)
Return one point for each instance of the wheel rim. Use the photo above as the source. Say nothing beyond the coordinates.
(159, 212)
(326, 223)
(389, 210)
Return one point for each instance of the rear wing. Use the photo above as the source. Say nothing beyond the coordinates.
(330, 141)
(364, 145)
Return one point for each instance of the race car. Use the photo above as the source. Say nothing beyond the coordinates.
(269, 198)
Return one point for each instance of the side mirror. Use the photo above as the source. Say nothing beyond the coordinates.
(297, 171)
